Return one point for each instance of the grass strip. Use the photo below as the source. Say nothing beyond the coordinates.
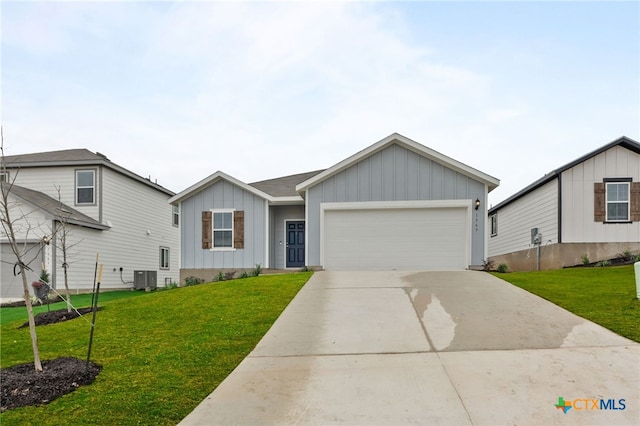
(606, 296)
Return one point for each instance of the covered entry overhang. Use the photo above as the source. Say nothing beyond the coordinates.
(401, 235)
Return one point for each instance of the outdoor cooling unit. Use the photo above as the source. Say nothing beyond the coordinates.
(145, 279)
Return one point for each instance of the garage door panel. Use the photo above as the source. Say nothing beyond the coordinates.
(416, 238)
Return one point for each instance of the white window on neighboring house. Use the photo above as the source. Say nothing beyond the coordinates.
(176, 216)
(494, 224)
(617, 201)
(4, 177)
(85, 186)
(164, 257)
(223, 229)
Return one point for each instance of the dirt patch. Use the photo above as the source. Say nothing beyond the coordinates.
(23, 386)
(52, 317)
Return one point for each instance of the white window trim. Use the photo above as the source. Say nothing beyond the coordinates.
(607, 202)
(213, 230)
(175, 212)
(93, 202)
(493, 222)
(162, 249)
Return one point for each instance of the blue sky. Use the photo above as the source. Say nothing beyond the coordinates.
(179, 90)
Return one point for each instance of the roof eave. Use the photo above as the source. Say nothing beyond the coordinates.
(211, 180)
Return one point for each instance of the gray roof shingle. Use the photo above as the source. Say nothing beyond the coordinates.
(283, 186)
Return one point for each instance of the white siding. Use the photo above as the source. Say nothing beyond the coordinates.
(141, 222)
(578, 223)
(538, 209)
(47, 179)
(130, 208)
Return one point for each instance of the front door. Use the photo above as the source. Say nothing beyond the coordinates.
(295, 243)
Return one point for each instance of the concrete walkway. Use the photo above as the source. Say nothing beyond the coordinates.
(451, 348)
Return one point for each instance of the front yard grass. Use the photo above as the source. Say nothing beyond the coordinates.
(162, 353)
(606, 296)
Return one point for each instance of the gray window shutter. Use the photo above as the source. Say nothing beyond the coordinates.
(207, 234)
(599, 204)
(238, 229)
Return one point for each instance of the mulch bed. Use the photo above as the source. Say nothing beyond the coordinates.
(52, 317)
(22, 385)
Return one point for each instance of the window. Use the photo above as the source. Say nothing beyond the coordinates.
(223, 229)
(85, 186)
(4, 177)
(494, 224)
(176, 216)
(164, 257)
(617, 200)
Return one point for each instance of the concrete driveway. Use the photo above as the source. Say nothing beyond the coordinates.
(451, 348)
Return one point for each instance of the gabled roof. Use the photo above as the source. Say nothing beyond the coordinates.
(74, 158)
(396, 138)
(623, 141)
(54, 208)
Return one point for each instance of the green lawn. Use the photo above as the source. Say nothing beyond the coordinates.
(606, 296)
(8, 315)
(162, 353)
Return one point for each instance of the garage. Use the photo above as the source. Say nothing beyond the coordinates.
(10, 286)
(413, 236)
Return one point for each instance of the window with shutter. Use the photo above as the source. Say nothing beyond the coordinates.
(238, 229)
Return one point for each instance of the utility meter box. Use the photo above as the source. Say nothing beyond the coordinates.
(143, 280)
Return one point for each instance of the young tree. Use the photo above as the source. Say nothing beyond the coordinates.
(8, 225)
(63, 231)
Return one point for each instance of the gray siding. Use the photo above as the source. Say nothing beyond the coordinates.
(395, 174)
(223, 195)
(277, 216)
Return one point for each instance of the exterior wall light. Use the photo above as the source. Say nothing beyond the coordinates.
(46, 240)
(477, 203)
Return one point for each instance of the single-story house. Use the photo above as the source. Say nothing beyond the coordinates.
(586, 209)
(394, 205)
(106, 210)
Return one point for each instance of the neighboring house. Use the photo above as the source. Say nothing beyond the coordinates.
(589, 207)
(108, 211)
(395, 205)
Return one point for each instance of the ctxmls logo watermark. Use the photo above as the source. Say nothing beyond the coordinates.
(581, 404)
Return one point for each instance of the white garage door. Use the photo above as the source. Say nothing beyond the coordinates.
(10, 286)
(402, 238)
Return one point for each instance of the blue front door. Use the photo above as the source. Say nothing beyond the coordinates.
(295, 244)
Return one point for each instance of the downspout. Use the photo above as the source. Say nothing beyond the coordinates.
(559, 208)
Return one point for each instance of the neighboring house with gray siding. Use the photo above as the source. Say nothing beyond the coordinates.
(395, 205)
(588, 207)
(110, 212)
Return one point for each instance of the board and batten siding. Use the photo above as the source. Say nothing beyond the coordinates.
(537, 209)
(223, 195)
(578, 224)
(394, 174)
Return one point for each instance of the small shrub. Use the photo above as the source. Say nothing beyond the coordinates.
(229, 275)
(244, 274)
(171, 285)
(257, 270)
(219, 277)
(625, 255)
(44, 276)
(487, 265)
(502, 268)
(192, 281)
(603, 263)
(585, 259)
(637, 259)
